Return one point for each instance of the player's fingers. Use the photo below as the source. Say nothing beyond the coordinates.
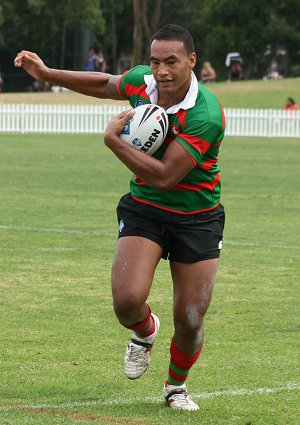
(123, 113)
(127, 115)
(22, 56)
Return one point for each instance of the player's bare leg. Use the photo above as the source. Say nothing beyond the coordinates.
(193, 287)
(133, 270)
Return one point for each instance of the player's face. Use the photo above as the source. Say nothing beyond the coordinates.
(171, 67)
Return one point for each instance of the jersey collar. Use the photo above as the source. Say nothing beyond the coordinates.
(187, 103)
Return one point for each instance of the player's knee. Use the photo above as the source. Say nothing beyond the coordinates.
(190, 326)
(124, 306)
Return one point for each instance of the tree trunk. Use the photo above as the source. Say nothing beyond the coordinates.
(137, 31)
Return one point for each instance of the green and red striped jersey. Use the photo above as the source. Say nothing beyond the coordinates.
(198, 124)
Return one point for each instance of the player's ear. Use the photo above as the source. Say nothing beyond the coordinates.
(193, 59)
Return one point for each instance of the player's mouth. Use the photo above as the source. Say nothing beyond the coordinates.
(164, 82)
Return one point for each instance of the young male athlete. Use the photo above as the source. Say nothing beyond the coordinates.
(173, 210)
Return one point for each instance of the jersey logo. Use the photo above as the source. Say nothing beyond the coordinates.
(139, 103)
(175, 129)
(121, 225)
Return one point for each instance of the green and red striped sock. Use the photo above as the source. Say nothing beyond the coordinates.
(180, 365)
(144, 328)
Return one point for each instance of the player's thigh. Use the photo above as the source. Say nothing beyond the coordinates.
(193, 287)
(133, 268)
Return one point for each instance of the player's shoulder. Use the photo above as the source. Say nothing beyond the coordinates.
(137, 72)
(206, 96)
(207, 111)
(207, 103)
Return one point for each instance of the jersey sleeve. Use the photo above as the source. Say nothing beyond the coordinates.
(131, 84)
(202, 133)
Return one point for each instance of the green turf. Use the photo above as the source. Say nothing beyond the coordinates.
(61, 349)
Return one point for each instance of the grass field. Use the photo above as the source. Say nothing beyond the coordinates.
(241, 94)
(61, 348)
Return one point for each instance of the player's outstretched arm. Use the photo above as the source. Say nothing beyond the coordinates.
(95, 84)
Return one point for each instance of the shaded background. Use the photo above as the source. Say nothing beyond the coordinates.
(267, 34)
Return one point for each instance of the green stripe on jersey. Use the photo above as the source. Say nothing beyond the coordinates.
(199, 130)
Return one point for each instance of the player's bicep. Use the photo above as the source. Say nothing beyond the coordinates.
(112, 88)
(178, 163)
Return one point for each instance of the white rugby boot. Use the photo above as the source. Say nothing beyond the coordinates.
(177, 397)
(138, 353)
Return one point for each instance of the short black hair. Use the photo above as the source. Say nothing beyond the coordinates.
(175, 32)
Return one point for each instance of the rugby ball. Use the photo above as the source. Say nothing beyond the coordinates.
(147, 129)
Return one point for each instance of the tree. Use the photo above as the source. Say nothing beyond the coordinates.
(234, 26)
(218, 26)
(33, 25)
(145, 24)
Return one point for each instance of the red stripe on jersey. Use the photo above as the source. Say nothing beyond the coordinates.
(172, 209)
(139, 181)
(119, 86)
(199, 144)
(181, 114)
(197, 187)
(207, 165)
(131, 90)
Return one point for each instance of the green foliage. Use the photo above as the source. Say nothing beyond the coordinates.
(234, 26)
(218, 27)
(35, 25)
(88, 13)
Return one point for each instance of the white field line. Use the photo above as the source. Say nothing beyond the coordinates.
(60, 249)
(95, 233)
(260, 245)
(290, 386)
(56, 230)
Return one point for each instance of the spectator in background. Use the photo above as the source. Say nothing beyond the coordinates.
(235, 70)
(234, 63)
(207, 73)
(100, 62)
(290, 105)
(1, 81)
(1, 85)
(90, 60)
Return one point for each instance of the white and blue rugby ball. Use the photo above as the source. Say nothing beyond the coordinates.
(147, 129)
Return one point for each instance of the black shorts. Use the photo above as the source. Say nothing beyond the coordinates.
(183, 238)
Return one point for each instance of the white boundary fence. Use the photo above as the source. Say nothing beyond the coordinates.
(76, 119)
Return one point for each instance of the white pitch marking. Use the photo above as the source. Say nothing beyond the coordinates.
(290, 386)
(39, 249)
(260, 245)
(55, 230)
